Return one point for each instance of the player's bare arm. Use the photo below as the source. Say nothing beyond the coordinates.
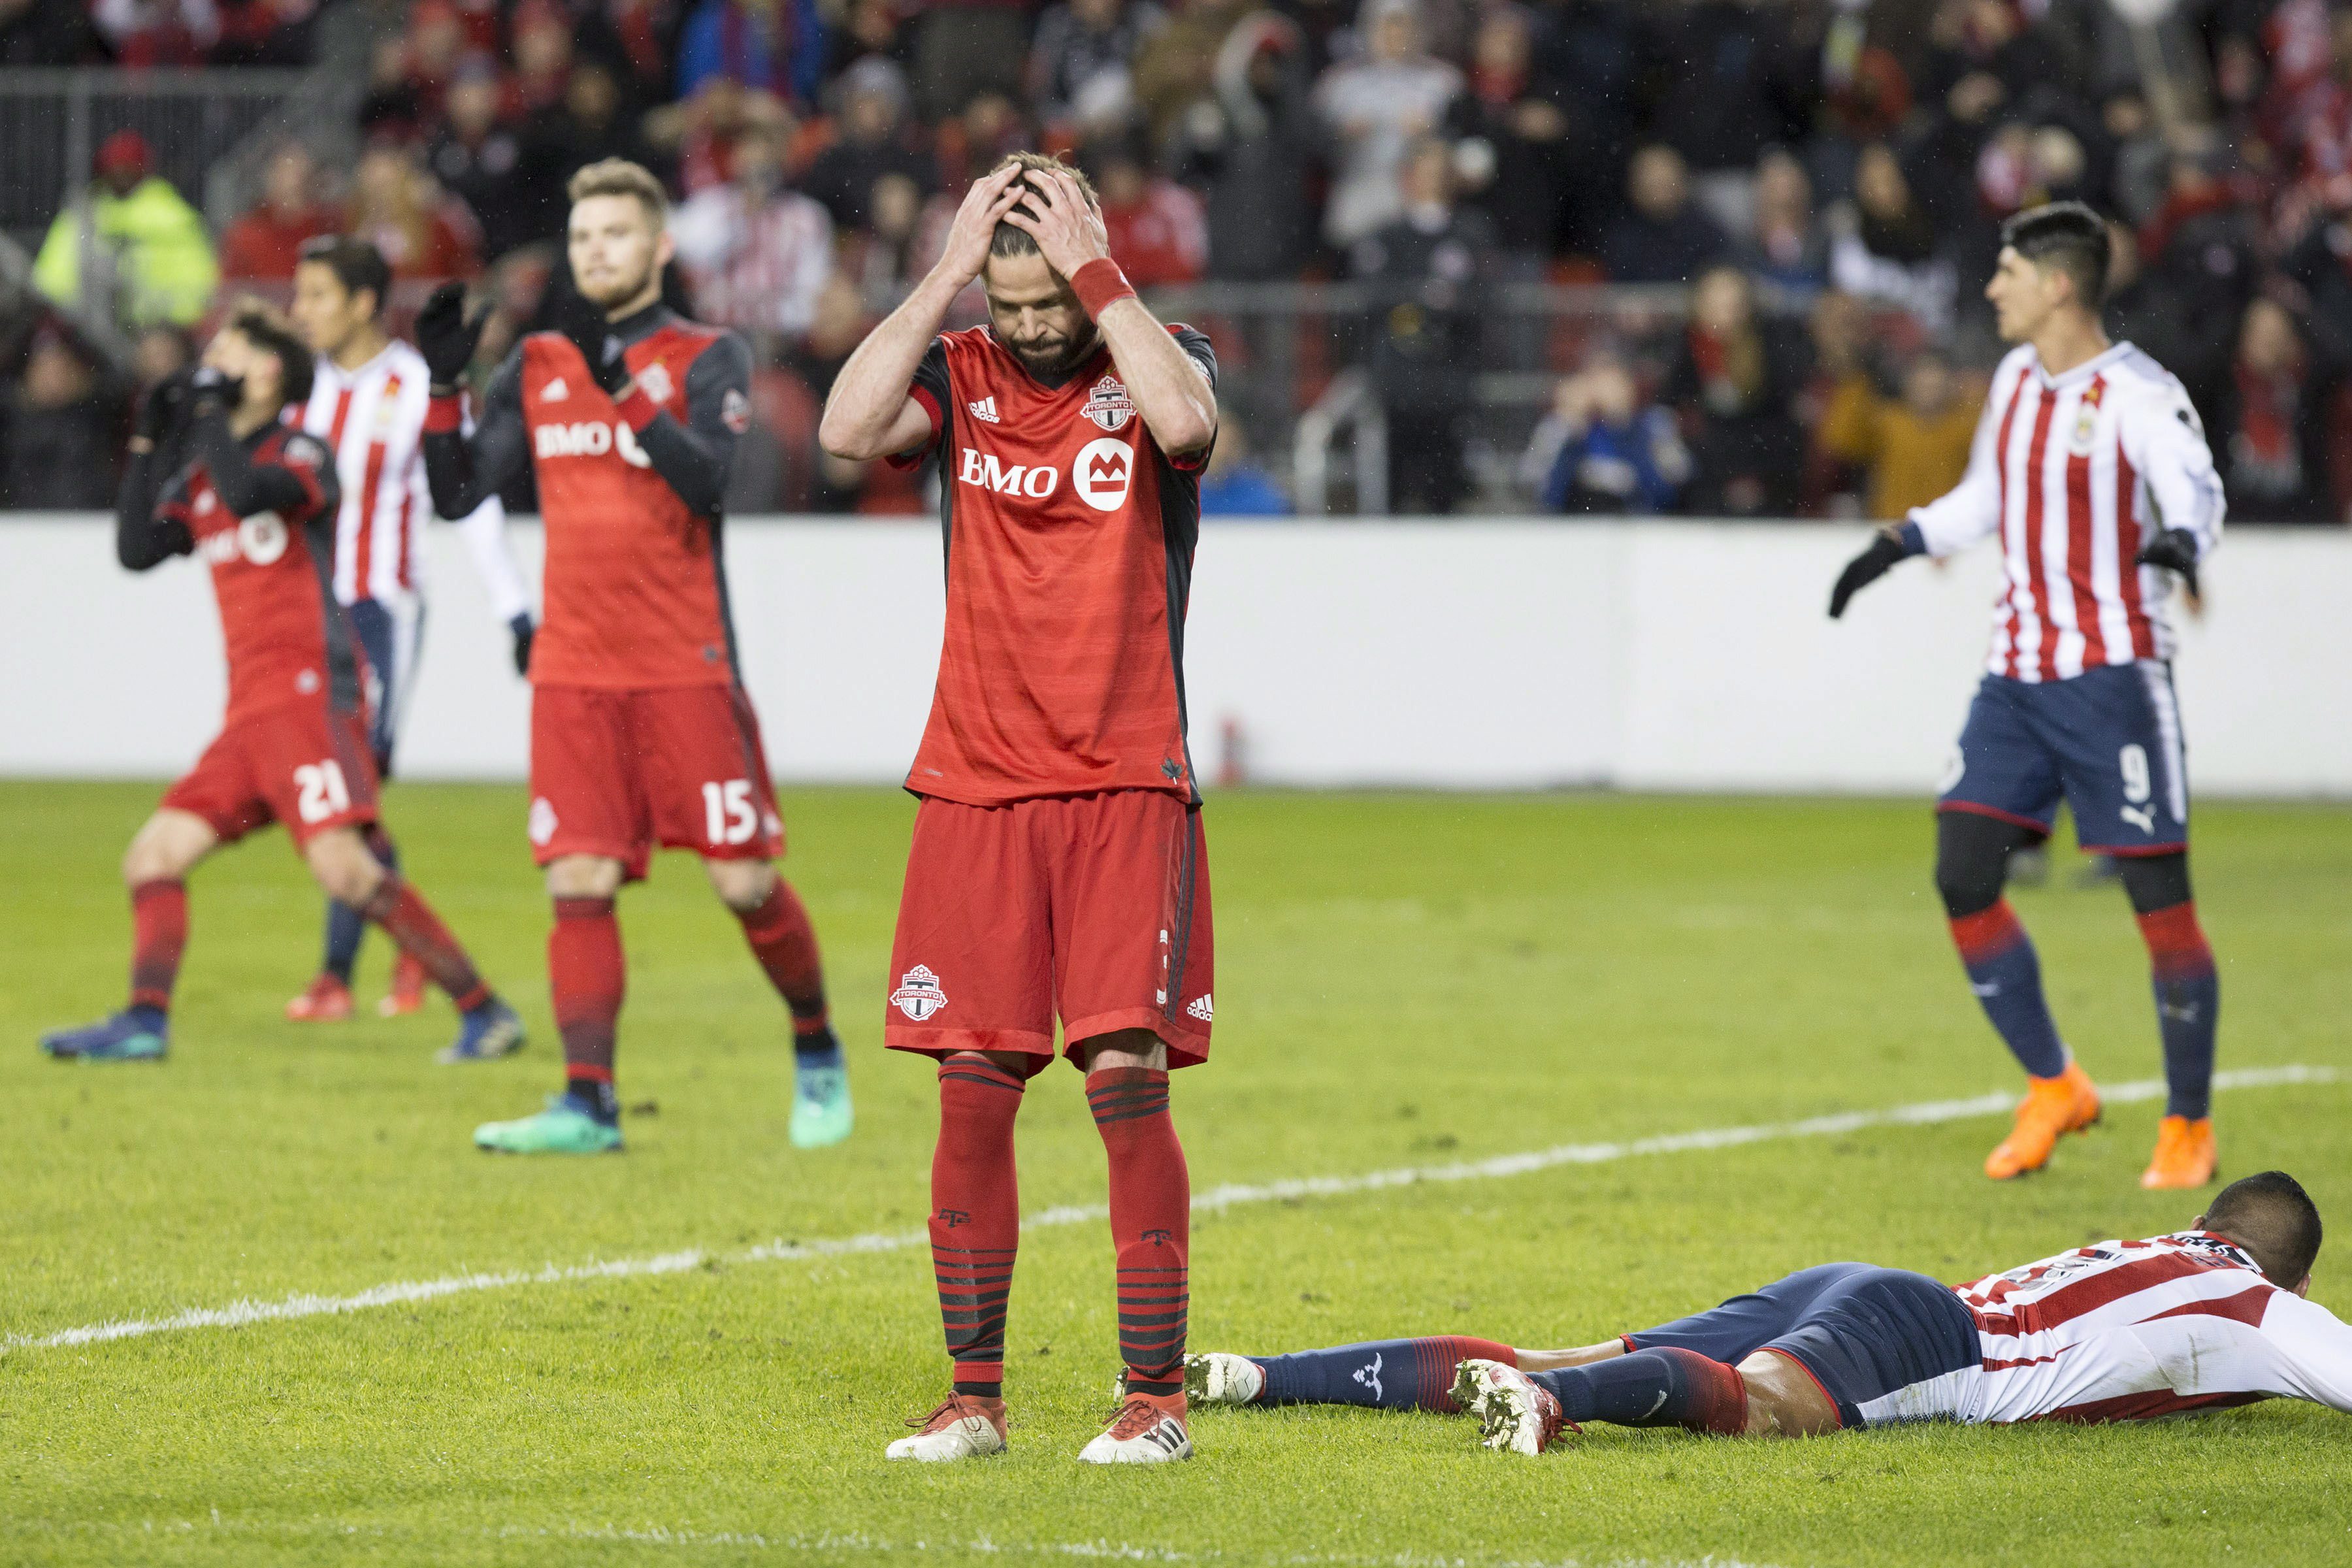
(1167, 385)
(870, 413)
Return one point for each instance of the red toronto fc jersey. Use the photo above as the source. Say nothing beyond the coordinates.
(633, 589)
(286, 638)
(1069, 538)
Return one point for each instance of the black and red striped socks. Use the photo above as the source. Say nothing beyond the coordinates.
(402, 913)
(975, 1221)
(2188, 1005)
(588, 979)
(784, 943)
(1150, 1215)
(159, 934)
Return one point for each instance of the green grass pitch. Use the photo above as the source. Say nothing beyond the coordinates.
(1402, 981)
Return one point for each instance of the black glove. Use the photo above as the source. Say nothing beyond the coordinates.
(523, 632)
(211, 391)
(583, 322)
(445, 337)
(162, 407)
(1865, 569)
(2174, 549)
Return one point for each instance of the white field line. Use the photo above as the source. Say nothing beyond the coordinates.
(1216, 1200)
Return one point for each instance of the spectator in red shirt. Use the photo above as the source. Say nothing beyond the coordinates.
(265, 241)
(1158, 235)
(399, 209)
(543, 52)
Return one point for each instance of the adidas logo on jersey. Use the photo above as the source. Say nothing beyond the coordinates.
(1203, 1009)
(554, 391)
(984, 410)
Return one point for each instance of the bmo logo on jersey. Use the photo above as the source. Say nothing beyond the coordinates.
(588, 438)
(981, 468)
(1103, 472)
(260, 538)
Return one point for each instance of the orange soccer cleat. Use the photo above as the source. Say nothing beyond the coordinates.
(407, 992)
(326, 1001)
(2053, 1108)
(2184, 1154)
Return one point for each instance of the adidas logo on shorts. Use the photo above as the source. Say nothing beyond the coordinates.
(1203, 1009)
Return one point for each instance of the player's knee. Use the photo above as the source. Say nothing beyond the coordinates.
(2154, 882)
(163, 848)
(584, 876)
(1124, 1049)
(342, 866)
(1971, 863)
(741, 885)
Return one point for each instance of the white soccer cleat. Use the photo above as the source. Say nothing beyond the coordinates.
(1142, 1433)
(1513, 1410)
(963, 1427)
(1216, 1378)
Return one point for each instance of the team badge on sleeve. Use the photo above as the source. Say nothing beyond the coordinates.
(1109, 405)
(919, 993)
(735, 411)
(654, 383)
(305, 451)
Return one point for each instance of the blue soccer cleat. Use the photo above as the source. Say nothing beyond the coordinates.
(134, 1035)
(489, 1031)
(563, 1128)
(822, 1115)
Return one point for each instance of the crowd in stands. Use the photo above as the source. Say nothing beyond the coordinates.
(1824, 178)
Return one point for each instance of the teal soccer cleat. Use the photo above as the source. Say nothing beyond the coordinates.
(822, 1115)
(134, 1035)
(563, 1128)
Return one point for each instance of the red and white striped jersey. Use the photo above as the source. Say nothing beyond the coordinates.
(373, 418)
(2129, 1330)
(2075, 472)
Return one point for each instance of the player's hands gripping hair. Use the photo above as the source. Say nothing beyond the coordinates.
(1068, 229)
(992, 196)
(2174, 549)
(1886, 549)
(213, 392)
(578, 319)
(445, 338)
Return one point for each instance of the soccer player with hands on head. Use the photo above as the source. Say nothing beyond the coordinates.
(367, 406)
(215, 473)
(1058, 865)
(641, 732)
(2092, 466)
(2207, 1318)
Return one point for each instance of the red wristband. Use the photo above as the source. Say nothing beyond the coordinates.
(636, 409)
(1099, 285)
(444, 414)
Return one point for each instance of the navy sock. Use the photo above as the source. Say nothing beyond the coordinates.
(2005, 975)
(2188, 1006)
(818, 1048)
(596, 1097)
(148, 1017)
(1386, 1374)
(1669, 1387)
(345, 925)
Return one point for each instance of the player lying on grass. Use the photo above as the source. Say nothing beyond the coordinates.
(2200, 1320)
(215, 474)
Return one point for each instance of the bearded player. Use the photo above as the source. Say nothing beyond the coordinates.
(2092, 468)
(641, 732)
(1057, 865)
(2204, 1319)
(367, 404)
(214, 473)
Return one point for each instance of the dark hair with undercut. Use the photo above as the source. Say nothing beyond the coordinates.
(266, 329)
(1011, 240)
(2070, 236)
(2273, 1217)
(356, 264)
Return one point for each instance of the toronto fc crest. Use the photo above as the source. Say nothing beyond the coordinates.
(919, 993)
(1109, 405)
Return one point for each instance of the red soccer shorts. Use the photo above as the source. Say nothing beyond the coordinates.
(613, 774)
(301, 763)
(1095, 904)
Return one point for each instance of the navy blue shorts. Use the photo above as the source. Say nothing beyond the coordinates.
(1864, 1332)
(390, 635)
(2107, 741)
